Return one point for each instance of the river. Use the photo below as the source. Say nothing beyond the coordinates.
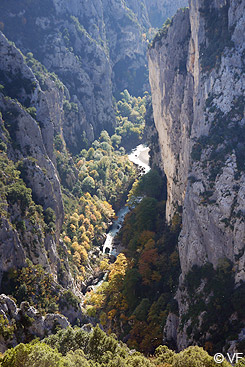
(140, 157)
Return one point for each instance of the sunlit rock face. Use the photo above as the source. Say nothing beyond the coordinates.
(197, 81)
(97, 48)
(39, 326)
(29, 140)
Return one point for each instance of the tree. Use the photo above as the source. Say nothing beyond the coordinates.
(151, 185)
(164, 355)
(41, 355)
(195, 357)
(138, 361)
(100, 343)
(145, 214)
(104, 136)
(19, 193)
(142, 309)
(146, 260)
(76, 359)
(16, 357)
(124, 108)
(88, 184)
(130, 286)
(125, 96)
(49, 216)
(119, 267)
(116, 140)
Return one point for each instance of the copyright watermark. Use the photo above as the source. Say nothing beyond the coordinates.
(232, 358)
(219, 358)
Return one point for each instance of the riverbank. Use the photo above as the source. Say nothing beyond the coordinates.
(140, 157)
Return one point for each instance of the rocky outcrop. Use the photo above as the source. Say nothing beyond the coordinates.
(197, 81)
(13, 319)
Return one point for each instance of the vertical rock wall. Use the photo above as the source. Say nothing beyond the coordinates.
(197, 81)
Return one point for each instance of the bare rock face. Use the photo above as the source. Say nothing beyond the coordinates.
(34, 138)
(171, 90)
(35, 324)
(160, 10)
(171, 328)
(197, 81)
(12, 253)
(97, 48)
(32, 117)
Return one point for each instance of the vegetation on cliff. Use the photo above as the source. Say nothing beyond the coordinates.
(91, 179)
(136, 298)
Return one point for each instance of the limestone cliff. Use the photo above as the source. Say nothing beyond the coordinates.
(96, 48)
(30, 118)
(20, 323)
(197, 80)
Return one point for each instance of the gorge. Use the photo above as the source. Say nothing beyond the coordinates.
(74, 98)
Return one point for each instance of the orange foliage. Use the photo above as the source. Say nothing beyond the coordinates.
(119, 267)
(145, 237)
(112, 314)
(147, 259)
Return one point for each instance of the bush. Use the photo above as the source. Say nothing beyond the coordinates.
(195, 357)
(19, 193)
(68, 298)
(3, 146)
(49, 216)
(164, 354)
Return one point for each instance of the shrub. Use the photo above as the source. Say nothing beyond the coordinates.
(19, 193)
(195, 357)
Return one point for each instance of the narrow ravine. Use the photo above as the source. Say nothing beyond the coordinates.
(140, 157)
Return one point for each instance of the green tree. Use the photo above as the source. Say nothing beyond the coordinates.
(41, 355)
(138, 361)
(130, 286)
(16, 357)
(88, 184)
(116, 140)
(142, 309)
(19, 193)
(164, 355)
(104, 136)
(49, 216)
(77, 359)
(195, 357)
(100, 343)
(145, 214)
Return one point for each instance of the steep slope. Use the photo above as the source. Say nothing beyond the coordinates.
(27, 132)
(159, 10)
(197, 81)
(96, 48)
(34, 262)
